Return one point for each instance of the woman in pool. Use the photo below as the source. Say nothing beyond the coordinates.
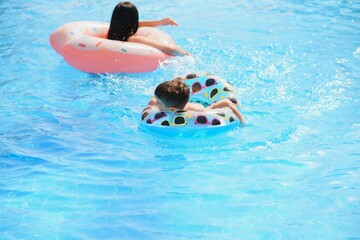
(125, 23)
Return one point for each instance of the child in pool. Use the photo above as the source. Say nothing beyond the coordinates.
(174, 96)
(125, 23)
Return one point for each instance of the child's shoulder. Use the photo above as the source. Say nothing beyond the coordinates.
(152, 101)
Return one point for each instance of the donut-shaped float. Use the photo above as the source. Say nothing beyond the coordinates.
(204, 89)
(84, 46)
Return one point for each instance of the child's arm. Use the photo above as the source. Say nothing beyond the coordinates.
(231, 105)
(193, 107)
(157, 23)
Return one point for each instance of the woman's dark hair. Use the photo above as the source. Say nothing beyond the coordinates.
(124, 22)
(173, 93)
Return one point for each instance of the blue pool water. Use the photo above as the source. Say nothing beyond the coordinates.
(74, 163)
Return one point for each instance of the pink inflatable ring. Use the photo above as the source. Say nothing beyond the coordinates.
(85, 47)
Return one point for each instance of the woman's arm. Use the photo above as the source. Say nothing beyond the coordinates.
(166, 48)
(157, 23)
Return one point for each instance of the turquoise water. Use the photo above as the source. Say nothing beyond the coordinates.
(74, 163)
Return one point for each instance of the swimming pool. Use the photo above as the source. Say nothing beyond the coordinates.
(75, 165)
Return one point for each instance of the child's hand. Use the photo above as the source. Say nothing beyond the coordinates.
(169, 21)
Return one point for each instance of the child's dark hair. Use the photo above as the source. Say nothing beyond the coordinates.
(124, 22)
(173, 93)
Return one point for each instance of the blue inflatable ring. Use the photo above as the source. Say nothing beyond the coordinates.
(205, 89)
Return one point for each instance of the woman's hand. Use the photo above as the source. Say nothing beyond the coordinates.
(168, 21)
